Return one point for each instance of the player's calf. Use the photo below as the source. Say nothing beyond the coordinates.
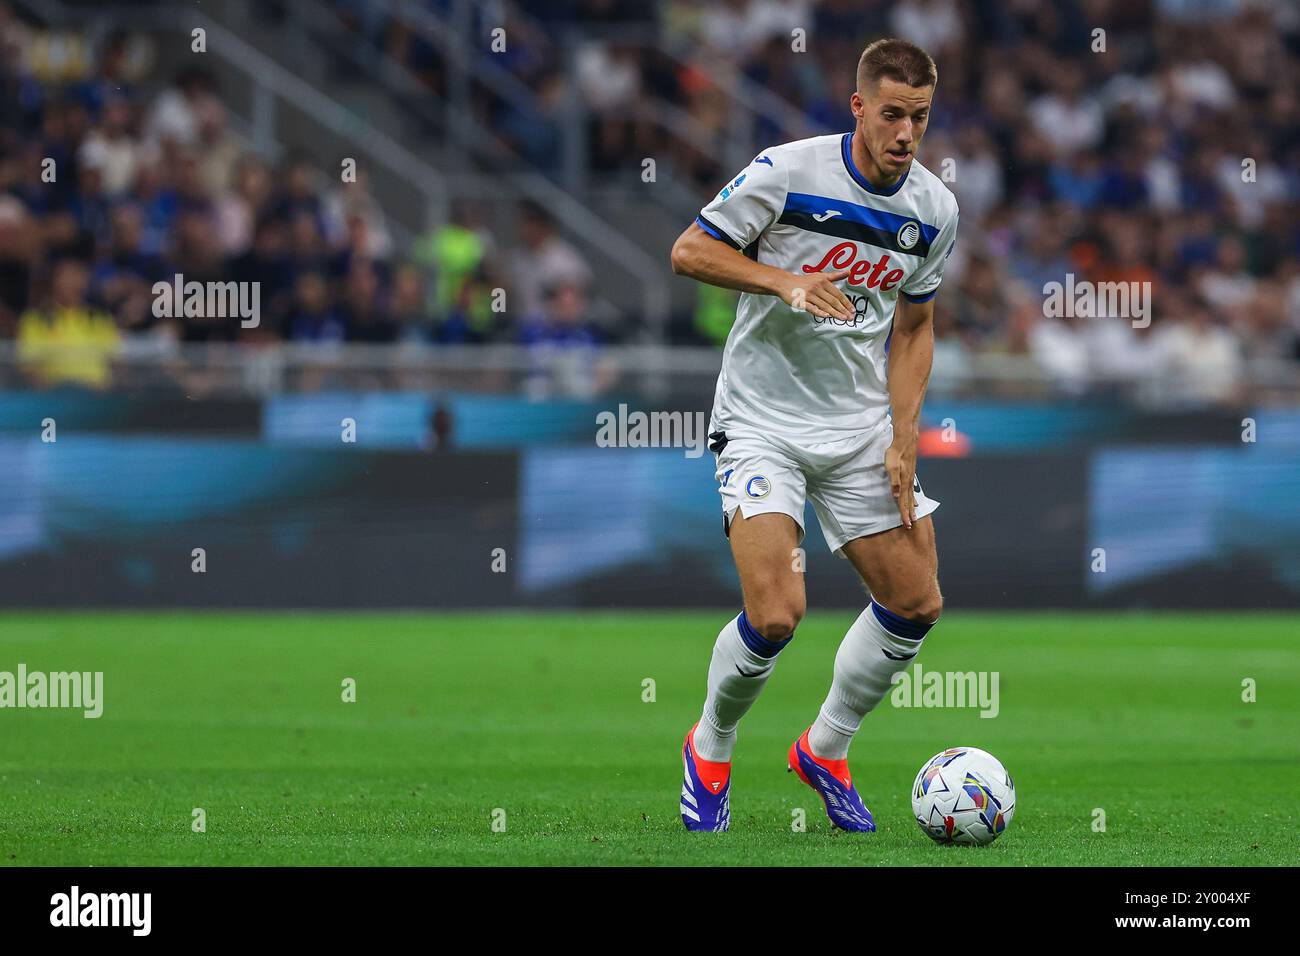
(880, 644)
(742, 661)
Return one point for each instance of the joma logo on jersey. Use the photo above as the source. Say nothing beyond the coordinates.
(862, 272)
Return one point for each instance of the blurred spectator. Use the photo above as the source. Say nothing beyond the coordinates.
(453, 253)
(307, 249)
(267, 262)
(563, 321)
(934, 25)
(739, 28)
(18, 252)
(544, 261)
(976, 171)
(113, 149)
(1068, 117)
(1264, 328)
(352, 211)
(68, 341)
(1201, 358)
(715, 313)
(13, 35)
(123, 268)
(1226, 285)
(365, 316)
(313, 317)
(176, 116)
(240, 208)
(1057, 343)
(609, 76)
(299, 196)
(475, 315)
(562, 341)
(409, 309)
(534, 130)
(218, 150)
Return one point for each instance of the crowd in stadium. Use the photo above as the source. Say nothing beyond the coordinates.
(1173, 157)
(1165, 149)
(104, 192)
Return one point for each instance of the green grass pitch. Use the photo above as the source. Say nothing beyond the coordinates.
(541, 716)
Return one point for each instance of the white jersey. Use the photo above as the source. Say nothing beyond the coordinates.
(804, 207)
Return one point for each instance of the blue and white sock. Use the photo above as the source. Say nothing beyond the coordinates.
(742, 662)
(879, 645)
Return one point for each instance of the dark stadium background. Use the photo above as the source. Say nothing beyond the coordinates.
(558, 171)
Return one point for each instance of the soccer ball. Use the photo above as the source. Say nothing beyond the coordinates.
(963, 795)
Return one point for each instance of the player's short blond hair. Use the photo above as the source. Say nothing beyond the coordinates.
(897, 60)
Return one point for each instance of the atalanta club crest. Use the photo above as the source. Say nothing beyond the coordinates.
(908, 235)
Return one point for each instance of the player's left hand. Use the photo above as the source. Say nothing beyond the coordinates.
(900, 463)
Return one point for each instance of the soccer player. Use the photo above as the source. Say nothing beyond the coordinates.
(838, 245)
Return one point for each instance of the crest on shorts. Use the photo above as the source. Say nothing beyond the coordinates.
(758, 487)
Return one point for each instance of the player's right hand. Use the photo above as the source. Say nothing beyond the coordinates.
(817, 294)
(900, 465)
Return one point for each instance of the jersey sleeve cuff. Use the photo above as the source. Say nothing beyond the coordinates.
(715, 232)
(919, 297)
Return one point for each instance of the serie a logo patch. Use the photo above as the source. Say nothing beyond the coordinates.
(728, 190)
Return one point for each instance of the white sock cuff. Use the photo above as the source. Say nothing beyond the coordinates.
(755, 664)
(897, 645)
(898, 626)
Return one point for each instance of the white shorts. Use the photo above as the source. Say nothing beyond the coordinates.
(845, 479)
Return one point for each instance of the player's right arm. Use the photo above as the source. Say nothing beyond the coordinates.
(699, 256)
(710, 250)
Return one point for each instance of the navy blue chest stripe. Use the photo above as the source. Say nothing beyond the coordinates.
(846, 220)
(879, 218)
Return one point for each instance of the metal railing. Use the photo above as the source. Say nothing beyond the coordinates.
(152, 364)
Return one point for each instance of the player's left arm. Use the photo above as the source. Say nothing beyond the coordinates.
(911, 353)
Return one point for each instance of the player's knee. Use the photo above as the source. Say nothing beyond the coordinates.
(924, 608)
(776, 622)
